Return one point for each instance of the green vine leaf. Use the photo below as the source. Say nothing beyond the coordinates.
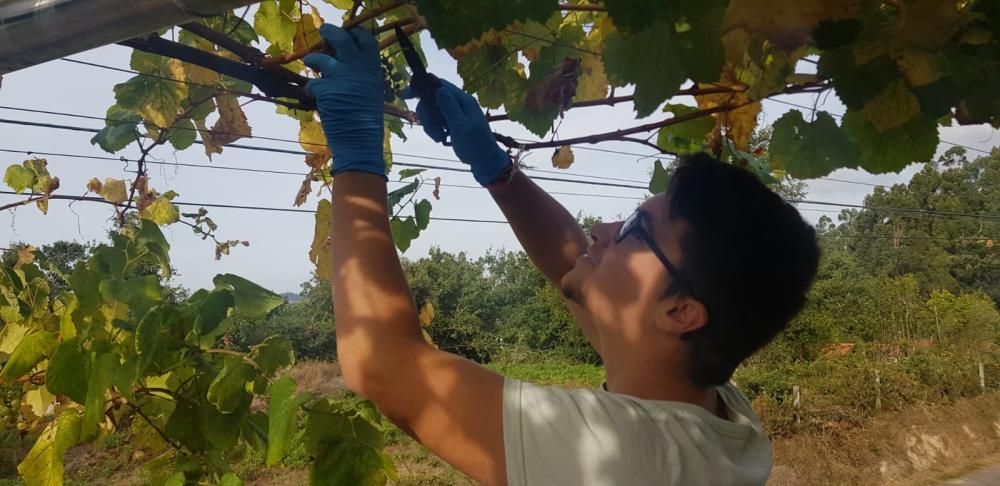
(891, 150)
(32, 349)
(685, 137)
(250, 299)
(229, 387)
(19, 178)
(478, 17)
(808, 150)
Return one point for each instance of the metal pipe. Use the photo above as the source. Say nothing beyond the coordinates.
(36, 31)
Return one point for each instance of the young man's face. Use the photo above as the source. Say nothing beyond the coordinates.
(618, 284)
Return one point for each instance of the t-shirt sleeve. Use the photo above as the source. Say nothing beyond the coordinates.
(554, 436)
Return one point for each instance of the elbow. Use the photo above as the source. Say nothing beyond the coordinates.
(375, 376)
(358, 373)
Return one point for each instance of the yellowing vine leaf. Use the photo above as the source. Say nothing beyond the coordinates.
(304, 190)
(893, 107)
(94, 185)
(156, 98)
(113, 190)
(44, 463)
(786, 23)
(563, 157)
(426, 315)
(593, 81)
(161, 211)
(231, 126)
(739, 123)
(18, 177)
(319, 251)
(313, 141)
(307, 31)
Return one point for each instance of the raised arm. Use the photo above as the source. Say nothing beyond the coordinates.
(451, 405)
(547, 231)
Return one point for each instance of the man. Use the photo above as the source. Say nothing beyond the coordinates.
(673, 299)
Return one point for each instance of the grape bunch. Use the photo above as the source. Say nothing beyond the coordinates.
(393, 79)
(10, 407)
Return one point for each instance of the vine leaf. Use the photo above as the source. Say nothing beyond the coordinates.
(786, 23)
(562, 157)
(346, 445)
(274, 22)
(422, 214)
(283, 407)
(656, 75)
(44, 462)
(593, 83)
(893, 107)
(19, 178)
(808, 150)
(250, 299)
(157, 98)
(68, 371)
(161, 211)
(228, 388)
(739, 123)
(478, 16)
(891, 150)
(273, 354)
(113, 190)
(138, 293)
(404, 231)
(313, 141)
(658, 183)
(319, 251)
(32, 349)
(685, 137)
(103, 364)
(231, 126)
(426, 315)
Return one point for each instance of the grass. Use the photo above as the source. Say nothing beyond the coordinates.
(554, 373)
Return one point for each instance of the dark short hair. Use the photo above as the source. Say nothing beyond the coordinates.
(748, 257)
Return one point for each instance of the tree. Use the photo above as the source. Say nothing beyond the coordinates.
(955, 250)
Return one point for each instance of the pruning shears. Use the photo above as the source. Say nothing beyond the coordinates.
(422, 83)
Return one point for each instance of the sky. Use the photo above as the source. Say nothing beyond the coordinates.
(278, 255)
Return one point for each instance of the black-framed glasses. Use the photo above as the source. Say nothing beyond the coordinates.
(636, 224)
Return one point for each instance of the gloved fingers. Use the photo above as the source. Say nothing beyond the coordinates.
(341, 40)
(469, 105)
(432, 121)
(320, 63)
(310, 85)
(409, 93)
(450, 108)
(365, 41)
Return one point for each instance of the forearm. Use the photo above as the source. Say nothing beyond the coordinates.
(547, 231)
(373, 308)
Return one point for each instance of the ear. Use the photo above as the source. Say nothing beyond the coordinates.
(680, 314)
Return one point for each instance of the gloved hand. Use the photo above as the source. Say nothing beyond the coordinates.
(349, 97)
(471, 136)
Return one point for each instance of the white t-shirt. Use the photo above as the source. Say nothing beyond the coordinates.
(594, 437)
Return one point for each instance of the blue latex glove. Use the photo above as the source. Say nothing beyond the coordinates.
(349, 97)
(471, 136)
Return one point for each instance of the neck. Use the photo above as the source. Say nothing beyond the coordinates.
(640, 375)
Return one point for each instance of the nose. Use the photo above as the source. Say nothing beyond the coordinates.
(604, 233)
